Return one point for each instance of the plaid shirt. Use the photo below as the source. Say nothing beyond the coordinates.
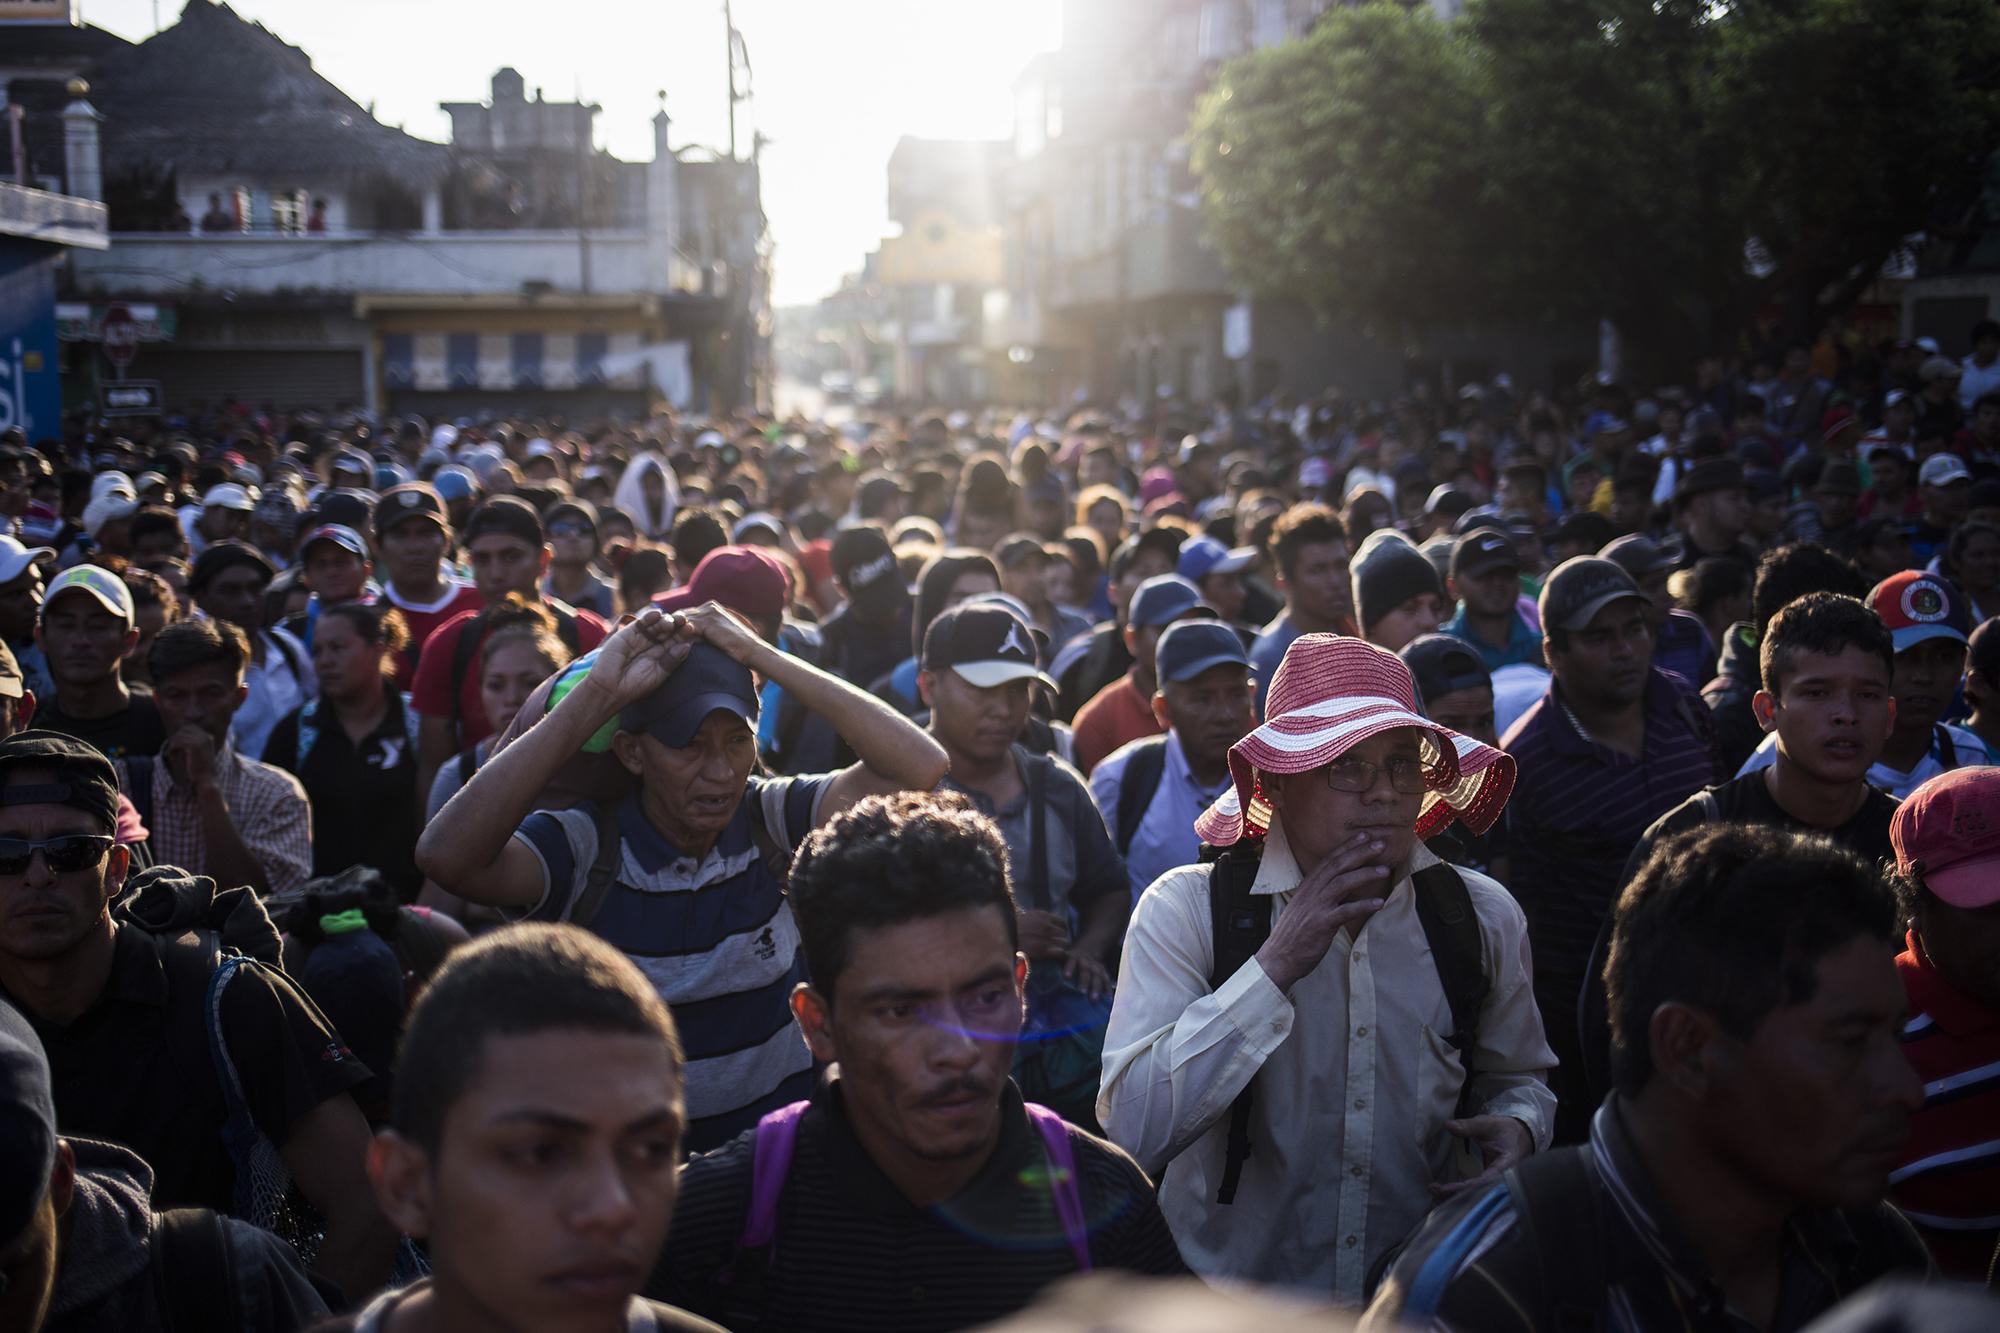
(267, 805)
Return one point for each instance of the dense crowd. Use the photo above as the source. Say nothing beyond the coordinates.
(1501, 861)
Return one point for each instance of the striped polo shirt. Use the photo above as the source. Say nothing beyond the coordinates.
(1948, 1182)
(715, 936)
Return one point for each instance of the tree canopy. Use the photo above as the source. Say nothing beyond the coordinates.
(1672, 165)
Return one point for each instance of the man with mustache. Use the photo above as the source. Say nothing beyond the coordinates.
(1929, 622)
(916, 1190)
(1734, 1178)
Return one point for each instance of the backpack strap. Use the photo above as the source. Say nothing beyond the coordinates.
(1240, 922)
(308, 731)
(288, 651)
(1144, 768)
(603, 868)
(1038, 824)
(1065, 1186)
(1946, 747)
(1556, 1207)
(194, 1270)
(462, 654)
(566, 625)
(1451, 928)
(771, 1152)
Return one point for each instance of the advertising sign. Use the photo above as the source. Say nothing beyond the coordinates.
(133, 398)
(30, 396)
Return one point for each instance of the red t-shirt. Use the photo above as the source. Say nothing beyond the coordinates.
(431, 695)
(1949, 1178)
(1116, 715)
(425, 621)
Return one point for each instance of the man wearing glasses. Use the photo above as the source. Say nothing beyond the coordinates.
(124, 1015)
(1325, 1029)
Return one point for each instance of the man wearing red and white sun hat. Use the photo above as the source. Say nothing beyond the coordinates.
(1325, 1029)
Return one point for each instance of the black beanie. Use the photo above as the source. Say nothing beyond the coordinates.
(1388, 571)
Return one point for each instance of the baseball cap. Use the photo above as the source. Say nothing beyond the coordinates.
(582, 510)
(228, 495)
(985, 644)
(760, 521)
(865, 564)
(412, 499)
(1710, 474)
(1947, 832)
(1019, 549)
(27, 1124)
(220, 556)
(346, 538)
(707, 681)
(107, 508)
(1638, 556)
(79, 776)
(1204, 555)
(101, 585)
(1190, 647)
(1163, 599)
(746, 579)
(16, 557)
(1582, 586)
(507, 516)
(1939, 368)
(1943, 470)
(1918, 605)
(1443, 664)
(12, 685)
(1480, 550)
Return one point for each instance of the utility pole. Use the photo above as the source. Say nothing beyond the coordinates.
(584, 144)
(729, 54)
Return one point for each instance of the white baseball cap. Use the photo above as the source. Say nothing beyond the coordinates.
(15, 558)
(106, 509)
(228, 495)
(1942, 470)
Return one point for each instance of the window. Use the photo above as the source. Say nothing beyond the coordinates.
(288, 212)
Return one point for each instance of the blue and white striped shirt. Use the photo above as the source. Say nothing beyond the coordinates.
(715, 936)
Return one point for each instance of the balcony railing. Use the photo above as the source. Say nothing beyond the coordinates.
(451, 263)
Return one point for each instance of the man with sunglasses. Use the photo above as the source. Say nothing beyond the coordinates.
(1354, 1035)
(125, 1016)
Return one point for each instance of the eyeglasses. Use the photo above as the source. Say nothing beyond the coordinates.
(66, 853)
(1358, 775)
(568, 530)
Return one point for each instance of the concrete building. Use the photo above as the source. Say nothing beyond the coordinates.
(936, 273)
(295, 252)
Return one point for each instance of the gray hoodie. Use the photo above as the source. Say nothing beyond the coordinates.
(104, 1277)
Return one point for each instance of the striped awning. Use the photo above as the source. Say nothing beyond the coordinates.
(500, 361)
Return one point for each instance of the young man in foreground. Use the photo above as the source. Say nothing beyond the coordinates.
(919, 1191)
(533, 1143)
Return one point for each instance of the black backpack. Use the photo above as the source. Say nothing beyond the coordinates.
(467, 648)
(194, 1271)
(1241, 921)
(1144, 768)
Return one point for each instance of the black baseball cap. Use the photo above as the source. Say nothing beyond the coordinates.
(226, 555)
(1190, 647)
(707, 681)
(509, 516)
(1638, 556)
(79, 775)
(27, 1124)
(1481, 550)
(1443, 664)
(1582, 586)
(985, 643)
(412, 499)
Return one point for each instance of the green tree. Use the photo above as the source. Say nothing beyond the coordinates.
(1674, 165)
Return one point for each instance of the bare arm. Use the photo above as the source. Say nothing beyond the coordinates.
(469, 848)
(894, 753)
(327, 1154)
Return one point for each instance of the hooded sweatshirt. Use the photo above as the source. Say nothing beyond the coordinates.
(631, 495)
(1738, 677)
(104, 1276)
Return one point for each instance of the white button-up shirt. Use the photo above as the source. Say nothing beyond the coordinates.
(1354, 1078)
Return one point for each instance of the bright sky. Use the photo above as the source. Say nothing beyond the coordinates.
(836, 83)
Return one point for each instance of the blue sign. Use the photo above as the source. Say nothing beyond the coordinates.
(30, 396)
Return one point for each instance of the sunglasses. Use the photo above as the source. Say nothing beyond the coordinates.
(65, 853)
(568, 530)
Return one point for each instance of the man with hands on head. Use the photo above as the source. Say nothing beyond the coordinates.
(685, 874)
(1372, 1002)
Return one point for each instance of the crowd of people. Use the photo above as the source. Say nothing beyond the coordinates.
(1488, 862)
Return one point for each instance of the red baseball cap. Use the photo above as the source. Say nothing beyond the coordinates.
(1948, 832)
(746, 579)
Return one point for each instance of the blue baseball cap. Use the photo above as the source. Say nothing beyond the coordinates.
(709, 681)
(1163, 599)
(1190, 647)
(1203, 556)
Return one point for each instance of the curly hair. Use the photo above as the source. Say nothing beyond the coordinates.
(892, 859)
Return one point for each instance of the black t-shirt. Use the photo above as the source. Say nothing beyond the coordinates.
(135, 1070)
(853, 1253)
(134, 730)
(364, 796)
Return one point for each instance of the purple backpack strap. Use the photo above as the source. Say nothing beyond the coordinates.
(770, 1163)
(1063, 1183)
